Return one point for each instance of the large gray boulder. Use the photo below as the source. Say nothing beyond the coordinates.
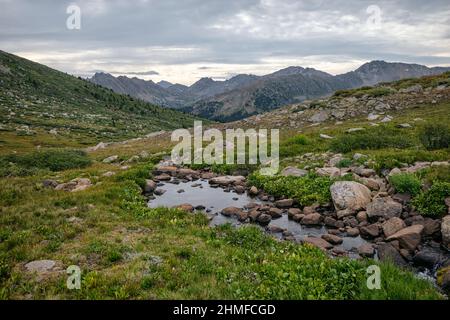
(384, 208)
(445, 231)
(350, 196)
(409, 238)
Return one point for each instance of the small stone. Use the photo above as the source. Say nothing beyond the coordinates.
(285, 203)
(366, 250)
(333, 239)
(353, 232)
(392, 225)
(311, 219)
(370, 231)
(231, 211)
(318, 242)
(293, 211)
(264, 219)
(253, 191)
(185, 207)
(275, 213)
(409, 237)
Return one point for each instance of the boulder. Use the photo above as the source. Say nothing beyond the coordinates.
(293, 211)
(231, 211)
(150, 186)
(111, 159)
(254, 214)
(329, 222)
(318, 242)
(387, 252)
(392, 225)
(384, 208)
(239, 189)
(331, 238)
(366, 250)
(350, 195)
(409, 237)
(185, 207)
(49, 183)
(361, 216)
(427, 257)
(253, 191)
(285, 203)
(162, 177)
(264, 219)
(364, 172)
(294, 172)
(75, 185)
(443, 279)
(275, 213)
(445, 231)
(353, 232)
(40, 266)
(329, 172)
(184, 173)
(370, 231)
(311, 219)
(431, 227)
(227, 180)
(242, 216)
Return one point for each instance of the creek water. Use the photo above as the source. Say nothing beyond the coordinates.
(201, 193)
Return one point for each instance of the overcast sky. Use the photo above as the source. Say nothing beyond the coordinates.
(184, 40)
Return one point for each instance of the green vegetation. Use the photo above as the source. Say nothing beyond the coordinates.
(432, 202)
(36, 99)
(293, 146)
(435, 136)
(53, 160)
(372, 138)
(369, 91)
(406, 183)
(128, 251)
(306, 190)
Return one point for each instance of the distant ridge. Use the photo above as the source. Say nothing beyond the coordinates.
(244, 95)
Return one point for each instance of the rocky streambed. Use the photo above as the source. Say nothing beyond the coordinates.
(359, 223)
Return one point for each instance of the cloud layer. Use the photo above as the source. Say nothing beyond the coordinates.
(186, 40)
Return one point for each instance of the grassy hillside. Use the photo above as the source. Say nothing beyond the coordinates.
(35, 99)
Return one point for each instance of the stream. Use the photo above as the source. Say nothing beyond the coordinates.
(214, 199)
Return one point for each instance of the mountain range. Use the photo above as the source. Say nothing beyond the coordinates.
(244, 95)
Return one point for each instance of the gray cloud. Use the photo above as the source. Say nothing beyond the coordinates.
(186, 40)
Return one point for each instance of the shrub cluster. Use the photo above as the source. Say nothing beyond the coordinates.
(432, 202)
(435, 136)
(374, 138)
(406, 183)
(306, 190)
(51, 159)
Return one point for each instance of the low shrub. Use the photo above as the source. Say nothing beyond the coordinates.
(344, 163)
(389, 159)
(406, 183)
(52, 159)
(435, 136)
(374, 138)
(435, 173)
(432, 202)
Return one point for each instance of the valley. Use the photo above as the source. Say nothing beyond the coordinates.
(87, 180)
